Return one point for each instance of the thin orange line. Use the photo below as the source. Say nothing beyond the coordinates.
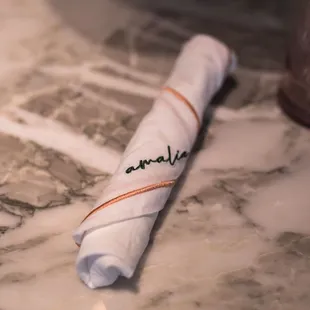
(184, 100)
(128, 195)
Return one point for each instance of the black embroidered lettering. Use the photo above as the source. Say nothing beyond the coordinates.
(160, 159)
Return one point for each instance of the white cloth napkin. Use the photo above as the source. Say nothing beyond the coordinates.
(115, 234)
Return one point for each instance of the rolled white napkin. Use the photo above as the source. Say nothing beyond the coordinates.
(114, 235)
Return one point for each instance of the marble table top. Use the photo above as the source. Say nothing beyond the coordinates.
(76, 80)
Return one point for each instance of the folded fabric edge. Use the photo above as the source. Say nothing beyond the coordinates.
(102, 260)
(102, 270)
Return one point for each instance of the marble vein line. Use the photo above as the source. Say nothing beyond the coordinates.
(103, 80)
(111, 103)
(21, 99)
(175, 27)
(131, 71)
(161, 40)
(51, 134)
(133, 51)
(226, 114)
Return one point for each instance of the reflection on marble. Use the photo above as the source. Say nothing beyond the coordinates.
(234, 235)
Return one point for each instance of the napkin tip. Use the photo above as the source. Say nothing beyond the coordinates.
(101, 271)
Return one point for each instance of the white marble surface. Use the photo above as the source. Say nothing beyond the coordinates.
(234, 236)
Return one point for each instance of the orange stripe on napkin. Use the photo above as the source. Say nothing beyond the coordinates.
(128, 195)
(184, 100)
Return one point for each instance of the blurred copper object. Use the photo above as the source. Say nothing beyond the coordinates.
(294, 91)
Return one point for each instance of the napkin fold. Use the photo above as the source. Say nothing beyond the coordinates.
(114, 235)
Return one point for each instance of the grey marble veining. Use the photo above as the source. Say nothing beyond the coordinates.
(234, 234)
